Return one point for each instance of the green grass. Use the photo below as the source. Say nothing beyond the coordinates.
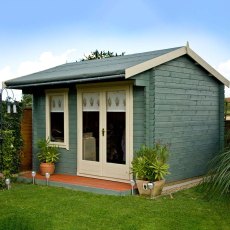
(38, 207)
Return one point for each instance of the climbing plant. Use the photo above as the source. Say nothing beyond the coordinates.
(10, 149)
(9, 154)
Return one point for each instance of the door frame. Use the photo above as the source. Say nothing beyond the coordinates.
(128, 86)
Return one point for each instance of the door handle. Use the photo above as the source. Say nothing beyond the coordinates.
(103, 132)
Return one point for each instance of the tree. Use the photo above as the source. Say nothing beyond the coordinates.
(101, 54)
(27, 100)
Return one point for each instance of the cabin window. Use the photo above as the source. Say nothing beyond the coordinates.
(57, 117)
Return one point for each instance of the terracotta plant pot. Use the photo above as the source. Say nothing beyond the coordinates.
(47, 168)
(144, 190)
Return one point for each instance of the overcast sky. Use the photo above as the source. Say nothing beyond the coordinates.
(38, 34)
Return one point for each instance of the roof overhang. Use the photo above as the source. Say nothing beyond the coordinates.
(131, 71)
(85, 80)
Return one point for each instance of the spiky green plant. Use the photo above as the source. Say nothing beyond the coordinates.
(48, 153)
(217, 181)
(150, 162)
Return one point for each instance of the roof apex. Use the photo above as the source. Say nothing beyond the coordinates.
(133, 70)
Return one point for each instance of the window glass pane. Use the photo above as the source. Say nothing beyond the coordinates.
(57, 118)
(57, 126)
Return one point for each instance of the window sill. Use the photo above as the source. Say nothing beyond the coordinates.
(60, 145)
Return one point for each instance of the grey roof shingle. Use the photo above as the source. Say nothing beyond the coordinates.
(86, 69)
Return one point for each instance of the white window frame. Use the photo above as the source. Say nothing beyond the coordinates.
(64, 93)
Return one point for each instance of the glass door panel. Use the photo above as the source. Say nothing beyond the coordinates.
(116, 137)
(90, 150)
(115, 117)
(90, 136)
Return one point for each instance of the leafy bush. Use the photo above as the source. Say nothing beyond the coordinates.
(150, 163)
(10, 150)
(11, 137)
(2, 183)
(9, 154)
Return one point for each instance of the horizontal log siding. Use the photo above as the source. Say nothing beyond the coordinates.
(38, 127)
(138, 117)
(187, 117)
(68, 158)
(222, 124)
(142, 114)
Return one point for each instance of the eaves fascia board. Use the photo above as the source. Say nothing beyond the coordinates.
(139, 68)
(206, 66)
(73, 81)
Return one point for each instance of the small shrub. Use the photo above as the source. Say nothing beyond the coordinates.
(2, 183)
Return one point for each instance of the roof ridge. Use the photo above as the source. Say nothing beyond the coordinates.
(122, 56)
(105, 60)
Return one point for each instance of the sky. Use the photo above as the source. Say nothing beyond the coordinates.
(39, 34)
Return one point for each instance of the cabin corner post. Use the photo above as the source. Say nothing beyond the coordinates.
(221, 116)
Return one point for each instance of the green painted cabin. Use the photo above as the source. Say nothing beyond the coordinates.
(174, 97)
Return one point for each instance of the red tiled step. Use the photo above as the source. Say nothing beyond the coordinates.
(83, 181)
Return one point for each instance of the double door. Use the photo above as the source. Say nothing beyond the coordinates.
(104, 132)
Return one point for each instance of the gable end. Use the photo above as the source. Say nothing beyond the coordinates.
(131, 71)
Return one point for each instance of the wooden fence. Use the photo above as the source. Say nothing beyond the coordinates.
(26, 131)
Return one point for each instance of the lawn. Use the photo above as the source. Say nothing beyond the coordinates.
(28, 206)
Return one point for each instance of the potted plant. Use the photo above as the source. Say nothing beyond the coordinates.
(48, 155)
(149, 165)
